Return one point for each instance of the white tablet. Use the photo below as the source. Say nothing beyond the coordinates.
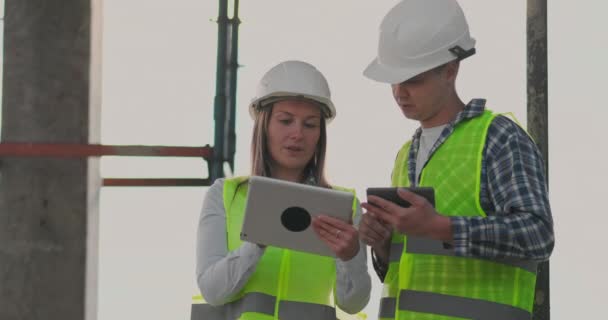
(279, 213)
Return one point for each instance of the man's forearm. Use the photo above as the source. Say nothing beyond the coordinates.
(521, 235)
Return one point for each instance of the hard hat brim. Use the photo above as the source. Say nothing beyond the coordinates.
(325, 103)
(392, 75)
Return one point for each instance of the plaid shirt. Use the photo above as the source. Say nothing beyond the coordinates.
(513, 194)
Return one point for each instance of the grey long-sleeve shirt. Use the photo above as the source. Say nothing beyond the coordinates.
(222, 274)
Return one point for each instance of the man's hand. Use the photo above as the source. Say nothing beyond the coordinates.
(420, 219)
(341, 237)
(375, 234)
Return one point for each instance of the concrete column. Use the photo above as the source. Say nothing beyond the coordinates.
(48, 207)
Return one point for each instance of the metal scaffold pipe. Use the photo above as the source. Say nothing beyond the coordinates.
(538, 120)
(225, 94)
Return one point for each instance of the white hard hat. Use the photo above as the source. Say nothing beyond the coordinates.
(293, 79)
(417, 36)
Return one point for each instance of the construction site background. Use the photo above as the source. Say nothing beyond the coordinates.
(158, 89)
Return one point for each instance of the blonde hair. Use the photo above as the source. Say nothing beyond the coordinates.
(261, 160)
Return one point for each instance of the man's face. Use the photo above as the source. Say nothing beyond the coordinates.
(424, 96)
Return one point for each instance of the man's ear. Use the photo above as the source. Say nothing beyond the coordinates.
(451, 70)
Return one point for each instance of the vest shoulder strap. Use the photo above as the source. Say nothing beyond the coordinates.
(400, 173)
(231, 185)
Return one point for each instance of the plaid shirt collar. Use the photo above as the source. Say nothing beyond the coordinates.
(473, 109)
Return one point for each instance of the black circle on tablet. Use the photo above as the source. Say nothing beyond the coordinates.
(295, 219)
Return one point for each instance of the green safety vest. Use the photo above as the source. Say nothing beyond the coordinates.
(286, 284)
(427, 281)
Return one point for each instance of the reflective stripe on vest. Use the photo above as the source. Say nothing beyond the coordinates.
(434, 303)
(388, 306)
(264, 304)
(395, 252)
(304, 311)
(251, 302)
(428, 246)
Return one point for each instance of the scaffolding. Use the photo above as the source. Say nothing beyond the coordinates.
(224, 118)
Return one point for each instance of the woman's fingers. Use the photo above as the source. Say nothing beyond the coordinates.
(334, 222)
(335, 227)
(343, 242)
(328, 235)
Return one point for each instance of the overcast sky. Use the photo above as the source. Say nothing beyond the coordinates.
(158, 88)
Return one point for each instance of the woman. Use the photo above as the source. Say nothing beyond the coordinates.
(241, 280)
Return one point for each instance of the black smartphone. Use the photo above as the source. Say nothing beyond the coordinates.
(391, 195)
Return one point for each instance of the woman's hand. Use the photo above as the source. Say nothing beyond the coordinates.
(341, 237)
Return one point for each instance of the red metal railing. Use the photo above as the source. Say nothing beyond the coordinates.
(59, 150)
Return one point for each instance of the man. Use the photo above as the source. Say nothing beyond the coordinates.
(473, 255)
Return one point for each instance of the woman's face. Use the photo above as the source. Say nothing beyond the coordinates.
(293, 134)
